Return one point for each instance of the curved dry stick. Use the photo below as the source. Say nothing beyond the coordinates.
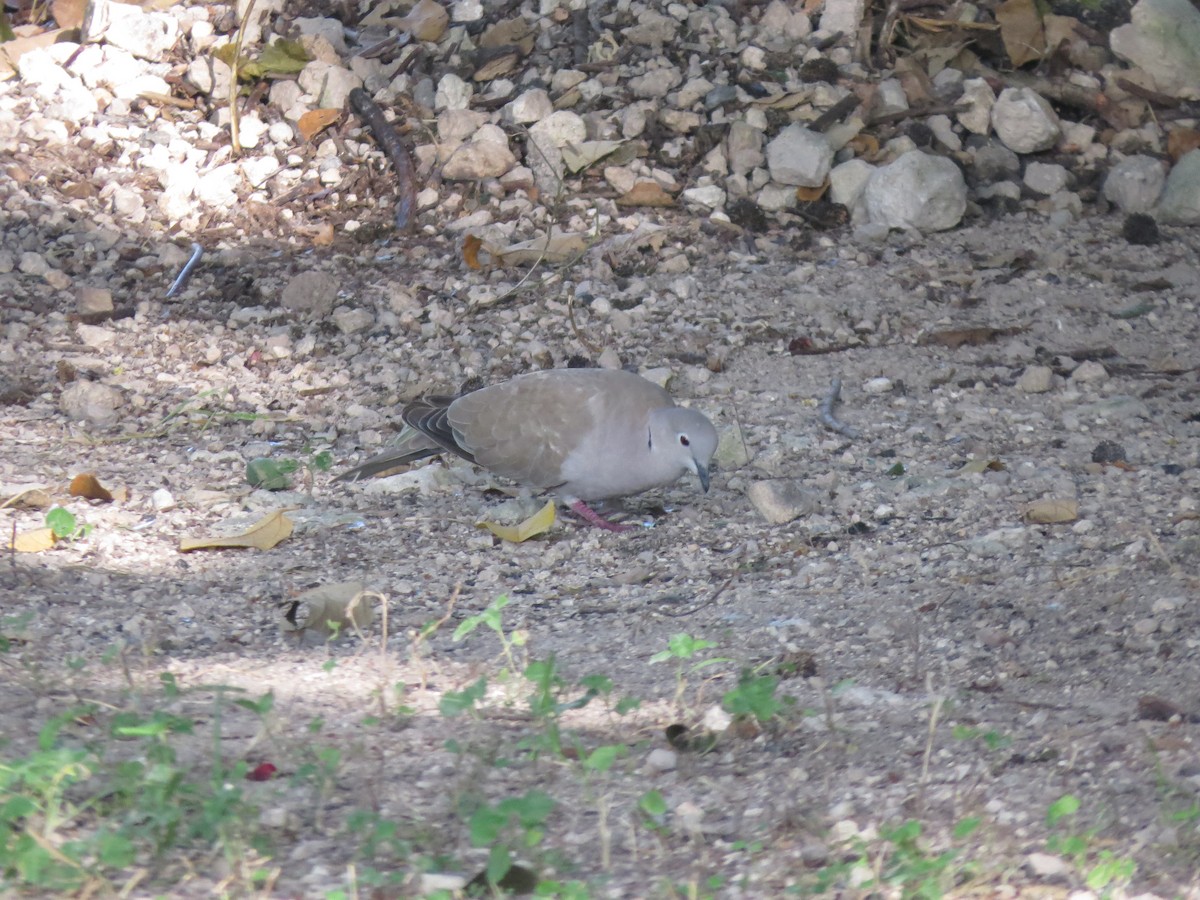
(391, 144)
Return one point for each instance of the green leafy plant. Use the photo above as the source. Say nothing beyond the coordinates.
(899, 859)
(682, 647)
(513, 823)
(455, 703)
(73, 815)
(754, 696)
(1102, 870)
(492, 617)
(64, 525)
(991, 738)
(276, 474)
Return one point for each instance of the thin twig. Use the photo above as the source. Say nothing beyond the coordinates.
(699, 606)
(825, 411)
(934, 715)
(197, 252)
(591, 348)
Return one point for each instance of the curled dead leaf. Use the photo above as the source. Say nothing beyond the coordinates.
(323, 235)
(539, 523)
(1052, 511)
(559, 247)
(586, 154)
(262, 535)
(472, 244)
(68, 13)
(88, 486)
(1182, 141)
(32, 496)
(646, 193)
(315, 121)
(811, 194)
(979, 466)
(1021, 30)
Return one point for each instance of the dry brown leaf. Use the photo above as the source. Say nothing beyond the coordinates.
(472, 244)
(811, 194)
(646, 193)
(979, 466)
(918, 86)
(262, 535)
(515, 32)
(539, 523)
(34, 541)
(32, 496)
(1053, 511)
(580, 156)
(1182, 141)
(558, 248)
(88, 486)
(936, 26)
(426, 21)
(323, 236)
(1061, 30)
(865, 146)
(783, 101)
(315, 121)
(68, 13)
(1021, 30)
(496, 66)
(957, 337)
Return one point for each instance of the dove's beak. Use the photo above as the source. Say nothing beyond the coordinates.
(702, 474)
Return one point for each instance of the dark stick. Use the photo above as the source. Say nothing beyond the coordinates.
(391, 144)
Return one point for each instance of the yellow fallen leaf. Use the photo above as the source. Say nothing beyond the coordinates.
(979, 466)
(262, 535)
(538, 523)
(34, 541)
(1049, 512)
(88, 485)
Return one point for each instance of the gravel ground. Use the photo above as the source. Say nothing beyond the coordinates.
(980, 602)
(947, 657)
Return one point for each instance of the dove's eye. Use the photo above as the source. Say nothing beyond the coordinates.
(683, 440)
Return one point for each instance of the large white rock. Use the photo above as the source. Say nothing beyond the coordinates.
(918, 191)
(1163, 39)
(1024, 121)
(978, 98)
(1135, 183)
(1180, 204)
(799, 156)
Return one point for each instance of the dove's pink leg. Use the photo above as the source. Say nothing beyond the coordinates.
(590, 515)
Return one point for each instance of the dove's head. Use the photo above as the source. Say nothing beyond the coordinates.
(685, 439)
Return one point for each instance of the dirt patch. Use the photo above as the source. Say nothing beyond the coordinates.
(937, 659)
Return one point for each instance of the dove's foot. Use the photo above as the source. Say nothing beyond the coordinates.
(588, 514)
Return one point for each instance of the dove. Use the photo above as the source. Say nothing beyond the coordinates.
(581, 434)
